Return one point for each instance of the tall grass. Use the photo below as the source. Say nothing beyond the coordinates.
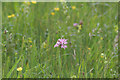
(33, 32)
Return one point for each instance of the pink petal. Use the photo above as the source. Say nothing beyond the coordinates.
(56, 45)
(65, 42)
(63, 46)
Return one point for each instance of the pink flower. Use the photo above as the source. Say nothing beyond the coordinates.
(75, 24)
(61, 42)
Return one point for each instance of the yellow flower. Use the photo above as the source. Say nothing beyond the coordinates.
(101, 38)
(30, 41)
(79, 28)
(73, 7)
(19, 69)
(56, 9)
(89, 48)
(13, 15)
(102, 55)
(9, 16)
(52, 13)
(34, 2)
(45, 45)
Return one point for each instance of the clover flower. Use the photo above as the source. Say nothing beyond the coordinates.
(61, 42)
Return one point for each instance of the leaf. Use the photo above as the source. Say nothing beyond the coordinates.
(79, 71)
(10, 72)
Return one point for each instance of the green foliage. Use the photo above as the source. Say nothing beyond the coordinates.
(31, 31)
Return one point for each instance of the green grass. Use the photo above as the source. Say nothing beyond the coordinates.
(39, 58)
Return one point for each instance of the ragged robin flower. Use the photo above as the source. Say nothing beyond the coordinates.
(19, 69)
(62, 43)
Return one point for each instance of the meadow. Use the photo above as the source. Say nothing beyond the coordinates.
(89, 32)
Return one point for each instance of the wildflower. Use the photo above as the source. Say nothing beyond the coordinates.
(19, 69)
(13, 15)
(56, 9)
(101, 38)
(79, 28)
(73, 7)
(5, 31)
(102, 55)
(34, 2)
(61, 42)
(89, 48)
(81, 22)
(90, 35)
(45, 45)
(9, 16)
(52, 13)
(30, 41)
(75, 24)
